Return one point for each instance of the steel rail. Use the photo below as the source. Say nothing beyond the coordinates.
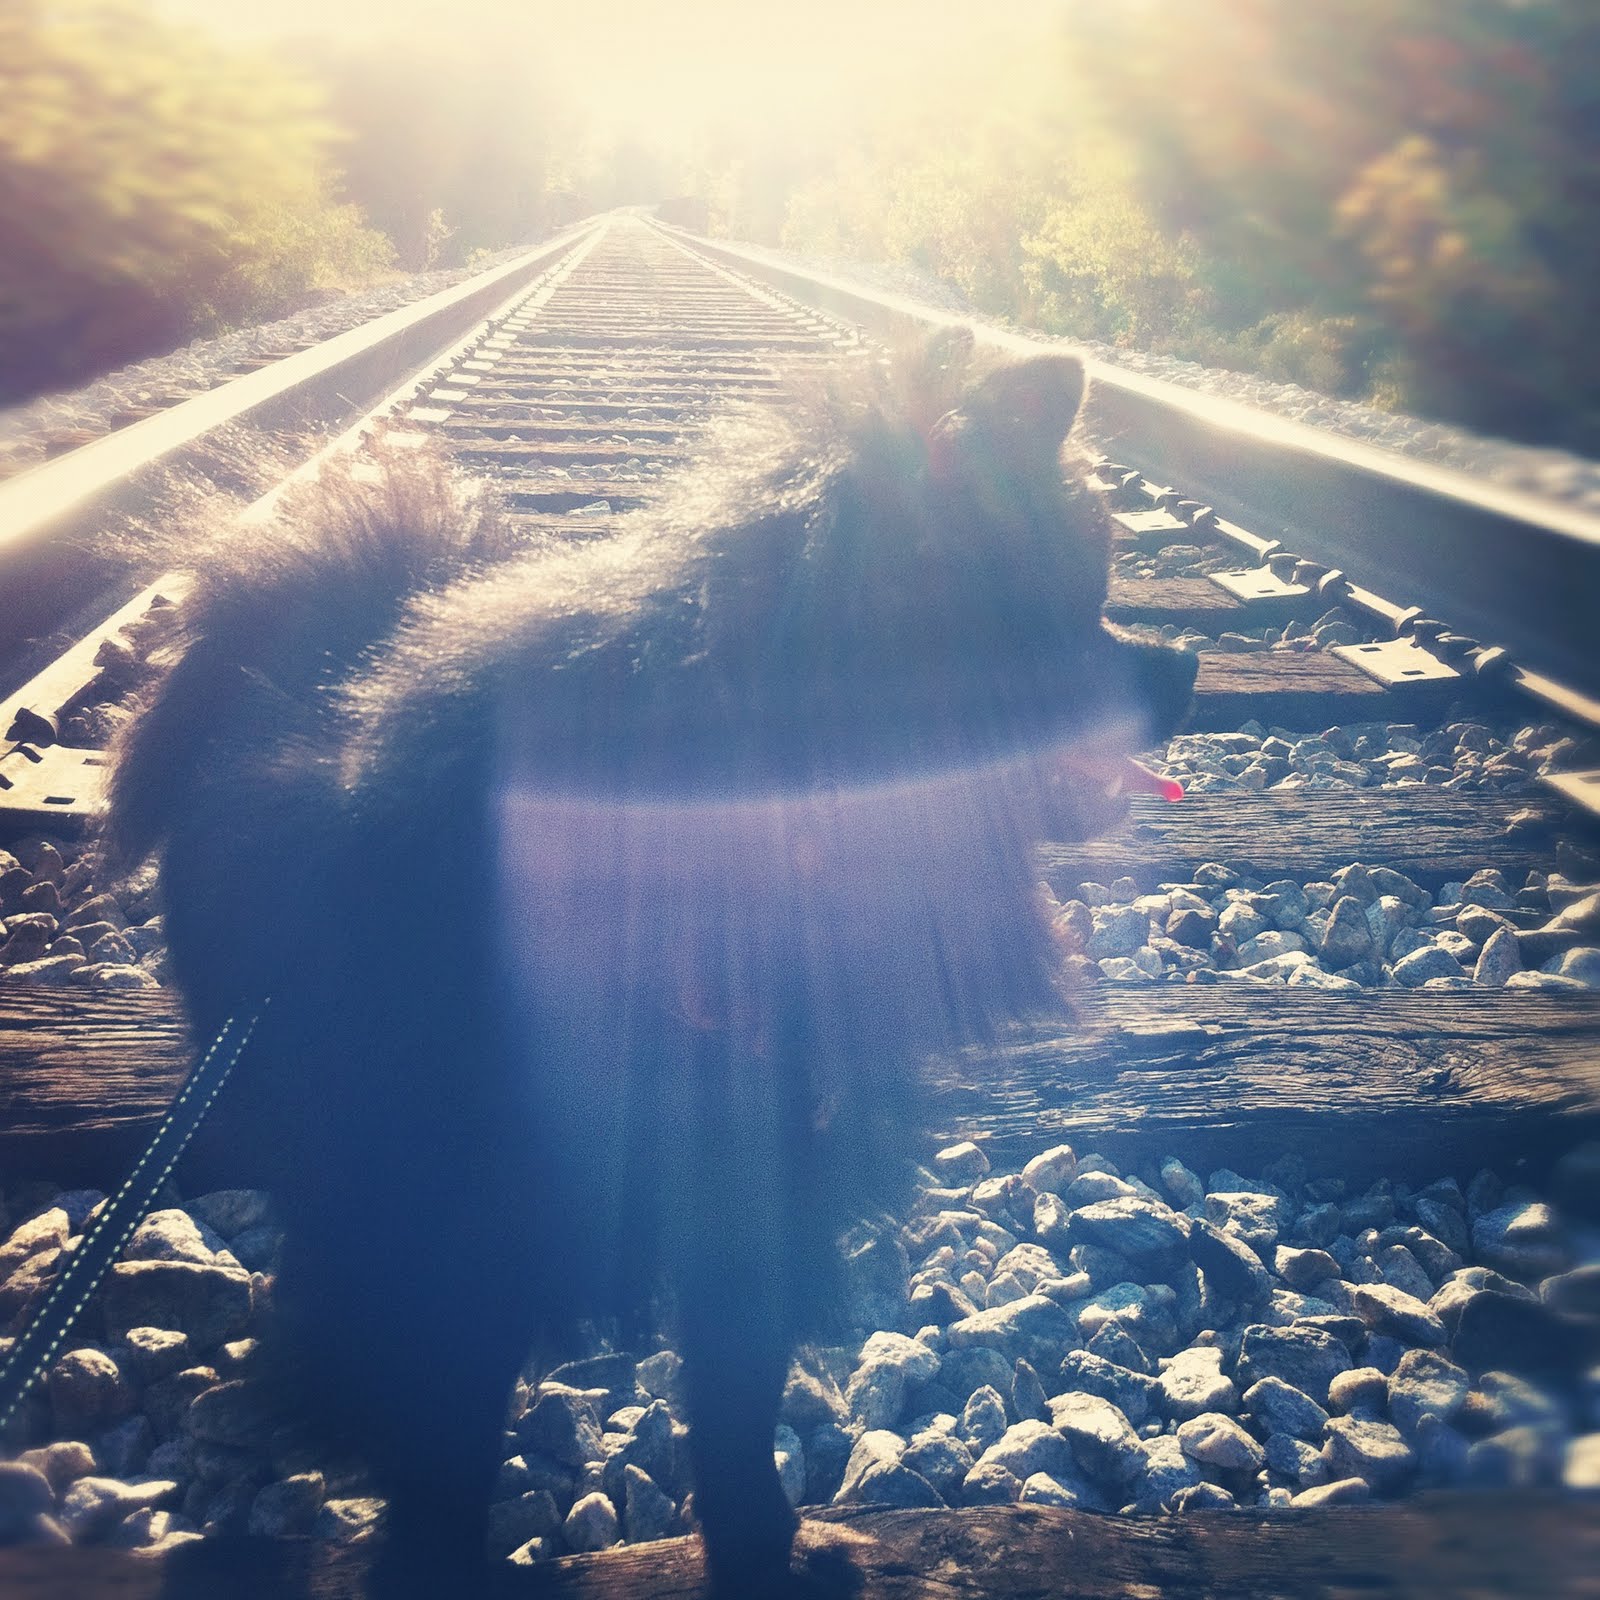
(47, 783)
(1517, 570)
(64, 503)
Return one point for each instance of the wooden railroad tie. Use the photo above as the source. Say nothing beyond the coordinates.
(1233, 1074)
(1504, 1545)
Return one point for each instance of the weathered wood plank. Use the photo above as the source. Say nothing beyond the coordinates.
(1190, 602)
(1307, 689)
(1238, 1074)
(1234, 1074)
(83, 1077)
(1434, 835)
(1470, 1547)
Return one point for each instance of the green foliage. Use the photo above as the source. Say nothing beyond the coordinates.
(1331, 355)
(1432, 171)
(1011, 197)
(1099, 267)
(962, 216)
(154, 188)
(1390, 198)
(1328, 354)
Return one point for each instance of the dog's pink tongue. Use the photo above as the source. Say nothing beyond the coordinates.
(1139, 779)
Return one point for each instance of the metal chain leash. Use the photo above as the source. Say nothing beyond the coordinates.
(105, 1237)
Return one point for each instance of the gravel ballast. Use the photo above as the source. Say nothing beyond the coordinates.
(1149, 1341)
(28, 431)
(59, 925)
(1364, 927)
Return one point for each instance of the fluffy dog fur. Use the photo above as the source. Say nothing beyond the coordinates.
(608, 896)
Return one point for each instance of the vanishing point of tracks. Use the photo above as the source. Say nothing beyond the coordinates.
(1329, 650)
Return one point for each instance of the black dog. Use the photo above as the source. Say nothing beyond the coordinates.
(608, 897)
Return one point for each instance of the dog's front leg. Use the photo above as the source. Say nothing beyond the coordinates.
(735, 1362)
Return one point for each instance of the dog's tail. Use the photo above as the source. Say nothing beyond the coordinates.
(282, 612)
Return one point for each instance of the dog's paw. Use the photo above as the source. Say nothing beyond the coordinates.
(822, 1565)
(827, 1561)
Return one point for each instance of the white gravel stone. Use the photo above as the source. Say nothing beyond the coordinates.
(1347, 938)
(1166, 1473)
(1029, 1447)
(172, 1236)
(1216, 1440)
(591, 1524)
(92, 1504)
(1193, 1383)
(876, 1395)
(1118, 931)
(1374, 1451)
(1280, 1408)
(1523, 1239)
(1183, 1186)
(288, 1507)
(1314, 977)
(1102, 1440)
(1268, 945)
(1362, 1391)
(1124, 969)
(1412, 971)
(1052, 1170)
(1043, 1490)
(1241, 922)
(961, 1164)
(1424, 1384)
(648, 1511)
(26, 1495)
(1391, 1241)
(350, 1519)
(1580, 1467)
(1552, 981)
(1387, 918)
(1273, 969)
(1306, 1358)
(1295, 1460)
(1498, 959)
(983, 1420)
(1581, 965)
(1345, 1491)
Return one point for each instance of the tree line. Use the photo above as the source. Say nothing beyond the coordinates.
(157, 185)
(1394, 200)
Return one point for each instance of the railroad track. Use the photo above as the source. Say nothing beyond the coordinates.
(1357, 708)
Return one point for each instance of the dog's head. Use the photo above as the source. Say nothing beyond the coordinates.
(846, 681)
(890, 581)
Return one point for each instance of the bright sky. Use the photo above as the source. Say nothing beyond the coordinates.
(664, 70)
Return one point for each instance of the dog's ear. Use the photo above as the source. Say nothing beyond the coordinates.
(1019, 414)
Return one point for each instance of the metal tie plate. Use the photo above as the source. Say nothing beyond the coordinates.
(1152, 530)
(1258, 584)
(1397, 662)
(42, 784)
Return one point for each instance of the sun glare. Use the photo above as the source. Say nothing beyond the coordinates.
(670, 77)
